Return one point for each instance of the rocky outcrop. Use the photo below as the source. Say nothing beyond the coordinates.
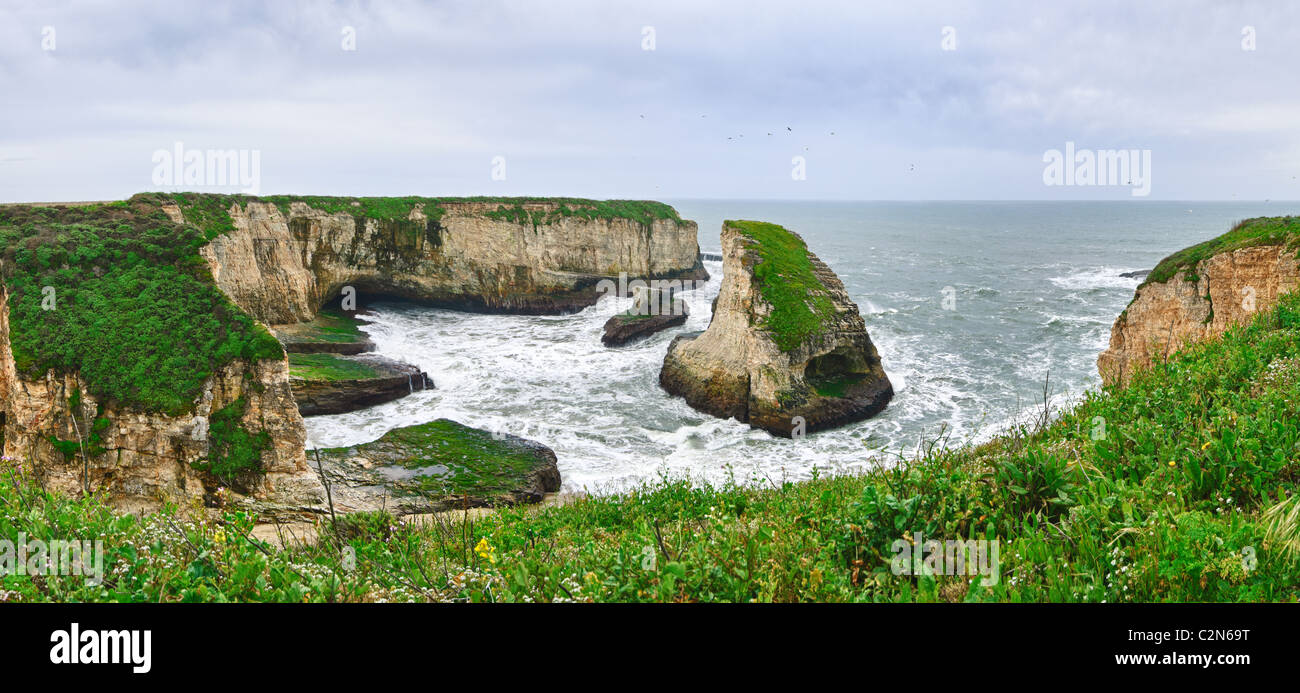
(785, 346)
(437, 466)
(1198, 302)
(630, 327)
(653, 310)
(381, 379)
(330, 332)
(282, 264)
(141, 459)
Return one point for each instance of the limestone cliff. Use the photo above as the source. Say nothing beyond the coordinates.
(283, 261)
(141, 459)
(785, 341)
(1197, 294)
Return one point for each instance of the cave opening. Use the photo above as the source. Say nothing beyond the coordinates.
(830, 375)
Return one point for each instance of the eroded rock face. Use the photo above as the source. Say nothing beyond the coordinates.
(1164, 316)
(392, 380)
(736, 369)
(148, 458)
(282, 268)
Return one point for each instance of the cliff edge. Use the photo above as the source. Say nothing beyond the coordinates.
(1198, 292)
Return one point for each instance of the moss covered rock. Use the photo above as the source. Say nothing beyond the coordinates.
(786, 349)
(334, 384)
(439, 465)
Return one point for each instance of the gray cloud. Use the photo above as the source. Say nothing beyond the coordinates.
(565, 92)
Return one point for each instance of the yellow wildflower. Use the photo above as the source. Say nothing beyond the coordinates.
(485, 550)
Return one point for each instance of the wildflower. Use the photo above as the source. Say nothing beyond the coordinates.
(486, 551)
(1207, 444)
(1172, 463)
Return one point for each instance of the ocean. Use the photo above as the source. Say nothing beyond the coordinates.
(972, 305)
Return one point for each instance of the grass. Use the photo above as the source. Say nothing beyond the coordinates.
(329, 367)
(233, 451)
(1245, 234)
(209, 210)
(330, 325)
(642, 212)
(786, 280)
(1176, 488)
(120, 294)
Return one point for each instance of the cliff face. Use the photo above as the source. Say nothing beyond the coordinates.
(137, 308)
(1228, 288)
(748, 366)
(141, 459)
(281, 267)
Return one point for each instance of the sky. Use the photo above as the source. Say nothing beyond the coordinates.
(666, 100)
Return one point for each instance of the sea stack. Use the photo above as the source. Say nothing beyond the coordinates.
(786, 350)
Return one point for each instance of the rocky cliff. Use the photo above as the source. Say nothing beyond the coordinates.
(1197, 293)
(785, 342)
(285, 258)
(133, 362)
(141, 459)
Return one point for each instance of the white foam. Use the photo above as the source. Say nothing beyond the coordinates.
(1097, 278)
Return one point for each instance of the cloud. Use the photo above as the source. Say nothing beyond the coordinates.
(565, 91)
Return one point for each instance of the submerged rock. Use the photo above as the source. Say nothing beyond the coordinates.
(1139, 274)
(332, 384)
(436, 466)
(786, 347)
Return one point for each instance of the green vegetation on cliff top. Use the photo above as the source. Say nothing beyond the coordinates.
(1180, 487)
(120, 294)
(1245, 234)
(786, 280)
(214, 219)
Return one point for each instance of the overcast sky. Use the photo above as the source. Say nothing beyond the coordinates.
(568, 95)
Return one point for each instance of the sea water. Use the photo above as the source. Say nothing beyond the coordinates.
(972, 305)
